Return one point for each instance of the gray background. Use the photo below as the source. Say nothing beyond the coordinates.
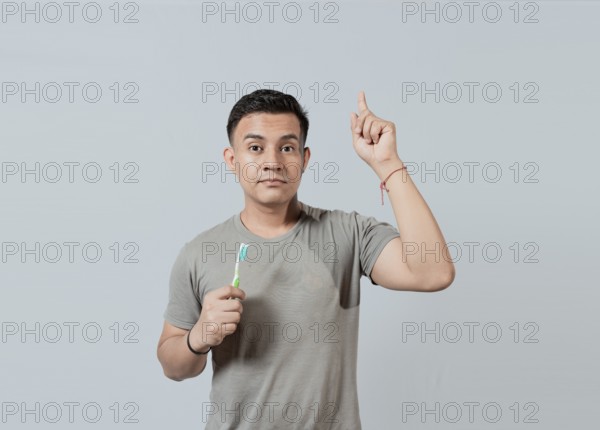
(175, 132)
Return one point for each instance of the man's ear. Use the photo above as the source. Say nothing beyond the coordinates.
(229, 157)
(306, 158)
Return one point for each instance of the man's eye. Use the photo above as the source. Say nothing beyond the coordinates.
(291, 148)
(253, 146)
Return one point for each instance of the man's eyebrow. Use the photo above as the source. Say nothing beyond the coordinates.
(253, 136)
(290, 136)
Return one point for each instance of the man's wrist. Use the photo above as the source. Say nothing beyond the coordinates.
(200, 349)
(384, 169)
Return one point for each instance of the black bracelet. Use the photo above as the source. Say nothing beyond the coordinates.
(190, 346)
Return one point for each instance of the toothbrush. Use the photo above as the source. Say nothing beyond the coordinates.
(240, 257)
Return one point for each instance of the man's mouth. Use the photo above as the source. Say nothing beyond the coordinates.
(273, 181)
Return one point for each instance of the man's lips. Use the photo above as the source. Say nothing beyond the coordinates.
(273, 180)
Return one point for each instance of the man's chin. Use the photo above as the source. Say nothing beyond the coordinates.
(272, 201)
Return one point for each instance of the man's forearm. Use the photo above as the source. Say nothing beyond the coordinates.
(178, 361)
(417, 226)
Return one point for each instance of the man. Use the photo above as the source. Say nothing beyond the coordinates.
(284, 350)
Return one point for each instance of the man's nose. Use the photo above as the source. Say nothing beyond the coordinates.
(273, 166)
(272, 160)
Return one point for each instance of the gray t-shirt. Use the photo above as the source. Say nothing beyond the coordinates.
(292, 361)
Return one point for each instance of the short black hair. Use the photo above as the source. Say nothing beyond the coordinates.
(267, 101)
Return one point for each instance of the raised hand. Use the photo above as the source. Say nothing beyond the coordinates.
(373, 138)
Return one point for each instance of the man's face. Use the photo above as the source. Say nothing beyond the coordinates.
(267, 157)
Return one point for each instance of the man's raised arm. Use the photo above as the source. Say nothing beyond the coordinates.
(423, 267)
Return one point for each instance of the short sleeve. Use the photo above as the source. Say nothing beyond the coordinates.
(183, 308)
(373, 235)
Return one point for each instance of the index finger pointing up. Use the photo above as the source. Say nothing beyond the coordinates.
(362, 101)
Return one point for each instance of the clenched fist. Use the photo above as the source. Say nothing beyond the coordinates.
(219, 317)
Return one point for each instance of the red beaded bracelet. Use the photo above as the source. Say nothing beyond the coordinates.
(382, 185)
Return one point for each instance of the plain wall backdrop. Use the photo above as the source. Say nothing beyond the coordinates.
(496, 109)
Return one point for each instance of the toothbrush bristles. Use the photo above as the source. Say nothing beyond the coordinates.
(243, 250)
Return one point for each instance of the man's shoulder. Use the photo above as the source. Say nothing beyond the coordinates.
(329, 215)
(351, 222)
(333, 221)
(216, 234)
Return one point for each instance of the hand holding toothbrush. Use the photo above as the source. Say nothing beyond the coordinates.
(220, 315)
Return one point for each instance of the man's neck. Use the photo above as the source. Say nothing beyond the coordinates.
(270, 222)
